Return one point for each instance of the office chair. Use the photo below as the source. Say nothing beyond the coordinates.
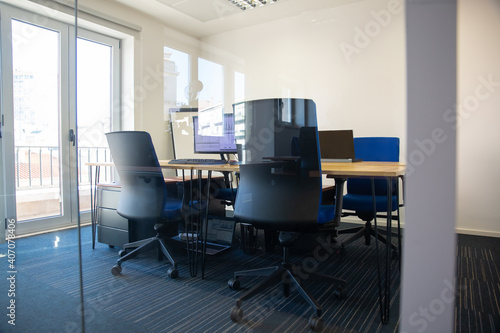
(282, 192)
(359, 200)
(226, 195)
(144, 200)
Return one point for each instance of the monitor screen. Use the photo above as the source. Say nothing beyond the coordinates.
(213, 136)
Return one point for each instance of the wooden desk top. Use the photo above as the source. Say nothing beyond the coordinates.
(356, 169)
(100, 164)
(359, 169)
(332, 169)
(209, 167)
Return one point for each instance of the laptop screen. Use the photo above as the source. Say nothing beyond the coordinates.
(336, 145)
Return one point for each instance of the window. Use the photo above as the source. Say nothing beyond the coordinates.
(211, 75)
(176, 79)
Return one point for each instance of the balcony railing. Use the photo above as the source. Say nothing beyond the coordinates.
(39, 166)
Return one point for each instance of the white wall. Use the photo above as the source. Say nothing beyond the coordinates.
(478, 208)
(349, 60)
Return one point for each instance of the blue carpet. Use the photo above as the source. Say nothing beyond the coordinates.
(144, 299)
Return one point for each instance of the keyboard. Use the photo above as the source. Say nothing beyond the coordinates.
(197, 161)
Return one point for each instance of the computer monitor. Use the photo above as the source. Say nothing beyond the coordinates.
(213, 136)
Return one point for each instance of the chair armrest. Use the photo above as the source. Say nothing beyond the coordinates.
(285, 165)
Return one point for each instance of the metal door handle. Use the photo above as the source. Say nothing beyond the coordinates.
(72, 137)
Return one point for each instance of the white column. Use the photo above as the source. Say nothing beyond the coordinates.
(429, 242)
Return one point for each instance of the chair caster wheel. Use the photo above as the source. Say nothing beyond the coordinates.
(116, 270)
(122, 253)
(236, 314)
(315, 323)
(286, 290)
(341, 292)
(234, 284)
(173, 273)
(342, 251)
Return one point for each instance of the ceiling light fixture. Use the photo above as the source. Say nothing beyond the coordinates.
(249, 4)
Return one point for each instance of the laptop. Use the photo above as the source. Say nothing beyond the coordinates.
(220, 232)
(337, 146)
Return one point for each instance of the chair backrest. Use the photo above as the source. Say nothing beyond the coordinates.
(282, 188)
(376, 149)
(143, 189)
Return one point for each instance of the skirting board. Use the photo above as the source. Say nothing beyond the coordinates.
(474, 232)
(477, 232)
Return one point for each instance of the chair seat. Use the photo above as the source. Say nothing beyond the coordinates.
(364, 203)
(326, 213)
(227, 194)
(173, 208)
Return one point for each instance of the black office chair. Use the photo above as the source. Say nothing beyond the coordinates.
(359, 200)
(144, 200)
(283, 193)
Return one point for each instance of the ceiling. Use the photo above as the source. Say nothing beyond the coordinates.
(201, 18)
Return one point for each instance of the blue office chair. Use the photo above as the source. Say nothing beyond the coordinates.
(282, 192)
(144, 200)
(359, 200)
(227, 195)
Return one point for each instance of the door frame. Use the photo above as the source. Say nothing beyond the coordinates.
(68, 119)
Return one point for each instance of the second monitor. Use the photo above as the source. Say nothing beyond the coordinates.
(215, 135)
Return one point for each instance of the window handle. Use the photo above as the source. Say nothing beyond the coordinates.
(72, 137)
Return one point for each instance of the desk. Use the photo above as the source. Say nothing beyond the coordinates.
(340, 172)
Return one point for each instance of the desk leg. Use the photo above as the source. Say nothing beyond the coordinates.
(385, 291)
(197, 243)
(339, 199)
(387, 296)
(200, 238)
(93, 202)
(204, 225)
(192, 230)
(400, 252)
(92, 221)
